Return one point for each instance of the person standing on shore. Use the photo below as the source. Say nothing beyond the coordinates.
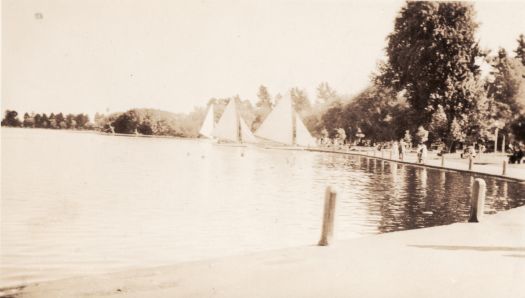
(421, 153)
(481, 149)
(395, 150)
(401, 149)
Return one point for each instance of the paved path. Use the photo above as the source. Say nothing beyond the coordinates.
(476, 260)
(488, 164)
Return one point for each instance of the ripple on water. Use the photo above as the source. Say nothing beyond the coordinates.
(80, 203)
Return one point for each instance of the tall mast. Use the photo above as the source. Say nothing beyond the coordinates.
(238, 123)
(294, 128)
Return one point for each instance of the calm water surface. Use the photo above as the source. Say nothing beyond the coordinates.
(82, 203)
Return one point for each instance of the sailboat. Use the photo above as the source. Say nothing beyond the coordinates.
(209, 123)
(231, 128)
(284, 126)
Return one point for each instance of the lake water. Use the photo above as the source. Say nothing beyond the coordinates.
(81, 203)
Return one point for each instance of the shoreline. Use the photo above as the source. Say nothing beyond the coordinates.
(516, 174)
(485, 259)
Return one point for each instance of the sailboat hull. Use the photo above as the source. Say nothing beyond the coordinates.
(230, 145)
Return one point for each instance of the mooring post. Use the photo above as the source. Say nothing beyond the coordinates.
(442, 160)
(504, 172)
(477, 200)
(470, 162)
(328, 217)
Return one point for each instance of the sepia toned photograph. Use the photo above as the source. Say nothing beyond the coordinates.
(244, 148)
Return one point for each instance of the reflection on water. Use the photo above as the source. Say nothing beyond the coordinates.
(81, 203)
(416, 197)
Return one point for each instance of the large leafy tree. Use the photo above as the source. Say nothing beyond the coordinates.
(44, 121)
(507, 85)
(126, 122)
(506, 90)
(432, 57)
(333, 119)
(518, 128)
(29, 121)
(70, 121)
(38, 120)
(60, 120)
(52, 121)
(11, 119)
(82, 120)
(377, 113)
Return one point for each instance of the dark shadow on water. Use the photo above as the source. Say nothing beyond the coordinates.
(405, 197)
(473, 248)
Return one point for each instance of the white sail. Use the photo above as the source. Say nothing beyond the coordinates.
(278, 125)
(231, 126)
(227, 127)
(302, 135)
(246, 133)
(208, 124)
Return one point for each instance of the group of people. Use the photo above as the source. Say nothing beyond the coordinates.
(517, 153)
(400, 149)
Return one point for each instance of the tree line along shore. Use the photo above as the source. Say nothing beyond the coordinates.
(432, 80)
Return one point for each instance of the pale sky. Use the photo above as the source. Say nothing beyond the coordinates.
(93, 55)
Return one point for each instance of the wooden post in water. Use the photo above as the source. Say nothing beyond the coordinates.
(470, 162)
(477, 200)
(504, 172)
(328, 217)
(503, 145)
(442, 160)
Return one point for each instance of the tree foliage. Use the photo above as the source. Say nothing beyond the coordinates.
(263, 107)
(55, 121)
(421, 135)
(325, 93)
(432, 57)
(438, 124)
(153, 122)
(507, 86)
(520, 50)
(264, 98)
(11, 119)
(300, 100)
